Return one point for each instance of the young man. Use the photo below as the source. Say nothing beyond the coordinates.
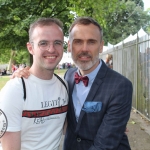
(99, 107)
(36, 122)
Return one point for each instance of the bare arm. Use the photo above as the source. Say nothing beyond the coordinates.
(11, 141)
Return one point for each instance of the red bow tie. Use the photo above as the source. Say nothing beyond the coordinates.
(80, 78)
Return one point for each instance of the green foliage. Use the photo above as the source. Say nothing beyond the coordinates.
(17, 15)
(3, 80)
(96, 9)
(126, 20)
(4, 56)
(60, 72)
(22, 57)
(118, 18)
(65, 46)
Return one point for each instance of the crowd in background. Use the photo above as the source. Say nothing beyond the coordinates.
(16, 66)
(108, 61)
(2, 72)
(65, 66)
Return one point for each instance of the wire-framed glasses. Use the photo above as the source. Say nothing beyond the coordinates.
(45, 45)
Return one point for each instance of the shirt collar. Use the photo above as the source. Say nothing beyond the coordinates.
(93, 74)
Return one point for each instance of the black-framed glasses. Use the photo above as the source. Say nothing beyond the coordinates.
(45, 45)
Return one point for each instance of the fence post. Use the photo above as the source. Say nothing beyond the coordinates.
(136, 63)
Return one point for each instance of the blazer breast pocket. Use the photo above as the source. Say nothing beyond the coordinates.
(90, 107)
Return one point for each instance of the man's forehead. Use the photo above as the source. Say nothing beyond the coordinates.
(52, 31)
(85, 32)
(52, 26)
(84, 26)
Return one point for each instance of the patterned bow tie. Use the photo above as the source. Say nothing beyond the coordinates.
(78, 78)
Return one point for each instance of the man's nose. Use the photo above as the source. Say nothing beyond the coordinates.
(51, 48)
(85, 47)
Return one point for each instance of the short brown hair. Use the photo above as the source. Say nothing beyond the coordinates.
(44, 22)
(86, 21)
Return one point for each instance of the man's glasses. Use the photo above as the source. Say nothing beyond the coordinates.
(45, 45)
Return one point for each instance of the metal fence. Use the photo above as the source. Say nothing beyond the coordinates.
(132, 60)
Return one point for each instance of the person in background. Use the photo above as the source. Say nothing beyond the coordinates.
(13, 68)
(4, 72)
(108, 60)
(36, 122)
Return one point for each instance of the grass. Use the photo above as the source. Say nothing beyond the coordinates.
(4, 79)
(60, 72)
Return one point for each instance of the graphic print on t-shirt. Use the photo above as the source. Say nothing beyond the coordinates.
(53, 107)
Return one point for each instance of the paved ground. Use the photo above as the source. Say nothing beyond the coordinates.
(139, 132)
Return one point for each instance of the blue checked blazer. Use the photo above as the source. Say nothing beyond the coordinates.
(104, 129)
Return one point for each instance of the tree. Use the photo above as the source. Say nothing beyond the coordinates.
(96, 9)
(16, 16)
(126, 21)
(4, 56)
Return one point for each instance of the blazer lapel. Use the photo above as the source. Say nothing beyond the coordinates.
(97, 82)
(71, 83)
(95, 86)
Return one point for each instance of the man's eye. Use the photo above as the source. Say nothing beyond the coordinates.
(58, 43)
(92, 42)
(43, 43)
(78, 42)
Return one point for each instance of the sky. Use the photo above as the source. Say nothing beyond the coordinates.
(146, 4)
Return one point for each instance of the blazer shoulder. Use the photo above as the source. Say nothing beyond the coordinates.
(69, 73)
(119, 76)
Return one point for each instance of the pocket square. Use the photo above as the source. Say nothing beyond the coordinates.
(92, 107)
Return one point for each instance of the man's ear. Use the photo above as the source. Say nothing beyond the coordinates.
(101, 47)
(30, 48)
(68, 49)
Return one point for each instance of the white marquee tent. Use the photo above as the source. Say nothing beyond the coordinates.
(131, 37)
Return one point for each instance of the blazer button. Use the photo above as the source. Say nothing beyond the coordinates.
(78, 140)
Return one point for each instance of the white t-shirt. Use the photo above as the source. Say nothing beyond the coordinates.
(40, 117)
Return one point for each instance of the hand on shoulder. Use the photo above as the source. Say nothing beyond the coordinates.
(21, 73)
